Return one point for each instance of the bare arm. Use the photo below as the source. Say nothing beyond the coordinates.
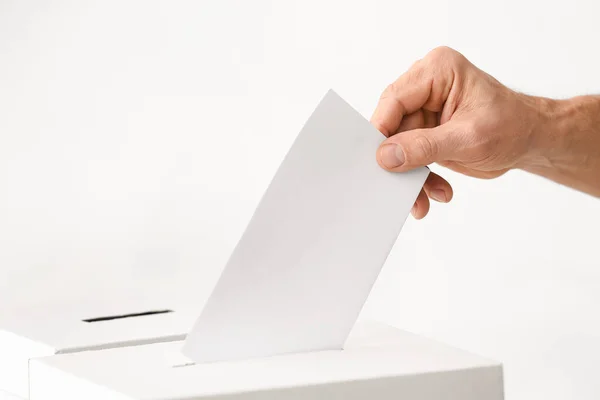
(567, 145)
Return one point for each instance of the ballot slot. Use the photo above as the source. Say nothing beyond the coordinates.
(130, 315)
(89, 324)
(189, 364)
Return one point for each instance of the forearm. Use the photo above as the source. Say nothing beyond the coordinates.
(566, 144)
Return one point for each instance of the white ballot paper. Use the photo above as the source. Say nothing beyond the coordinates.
(303, 269)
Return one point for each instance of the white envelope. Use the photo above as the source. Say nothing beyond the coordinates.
(303, 269)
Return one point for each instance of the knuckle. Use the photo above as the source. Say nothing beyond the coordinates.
(441, 52)
(417, 70)
(417, 64)
(425, 147)
(418, 74)
(390, 90)
(444, 54)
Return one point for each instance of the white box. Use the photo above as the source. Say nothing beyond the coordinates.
(58, 328)
(378, 362)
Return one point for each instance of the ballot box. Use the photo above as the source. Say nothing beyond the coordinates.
(377, 362)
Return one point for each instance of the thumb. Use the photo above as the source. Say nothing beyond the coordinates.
(417, 148)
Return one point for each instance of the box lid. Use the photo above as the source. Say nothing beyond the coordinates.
(84, 324)
(158, 371)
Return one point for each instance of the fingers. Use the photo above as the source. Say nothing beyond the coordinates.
(418, 147)
(421, 206)
(418, 120)
(405, 96)
(416, 104)
(438, 189)
(427, 84)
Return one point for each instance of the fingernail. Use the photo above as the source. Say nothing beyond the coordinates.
(391, 155)
(438, 195)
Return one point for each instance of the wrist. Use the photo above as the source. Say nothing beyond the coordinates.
(565, 144)
(561, 132)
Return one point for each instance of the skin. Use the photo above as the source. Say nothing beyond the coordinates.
(445, 110)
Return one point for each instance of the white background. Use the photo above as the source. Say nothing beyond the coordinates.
(137, 137)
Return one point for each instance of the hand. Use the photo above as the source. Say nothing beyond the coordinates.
(446, 110)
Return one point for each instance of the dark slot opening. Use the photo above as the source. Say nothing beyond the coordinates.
(140, 314)
(184, 365)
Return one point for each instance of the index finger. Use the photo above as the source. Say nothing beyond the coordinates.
(405, 96)
(427, 84)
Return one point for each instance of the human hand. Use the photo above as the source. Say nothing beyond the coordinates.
(446, 110)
